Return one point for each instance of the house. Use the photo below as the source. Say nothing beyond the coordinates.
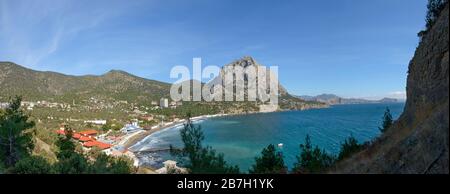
(97, 144)
(86, 139)
(96, 122)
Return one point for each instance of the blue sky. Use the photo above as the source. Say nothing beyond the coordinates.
(353, 48)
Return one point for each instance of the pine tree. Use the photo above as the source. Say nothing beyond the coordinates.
(33, 165)
(349, 147)
(15, 136)
(387, 120)
(312, 159)
(201, 160)
(270, 162)
(69, 161)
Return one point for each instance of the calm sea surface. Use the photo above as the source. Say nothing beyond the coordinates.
(241, 138)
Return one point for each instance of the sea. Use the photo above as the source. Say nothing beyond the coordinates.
(242, 137)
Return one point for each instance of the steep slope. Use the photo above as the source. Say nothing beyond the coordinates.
(285, 100)
(418, 140)
(37, 85)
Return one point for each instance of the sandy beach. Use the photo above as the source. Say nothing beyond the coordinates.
(135, 138)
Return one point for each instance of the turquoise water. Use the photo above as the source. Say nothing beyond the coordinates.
(241, 138)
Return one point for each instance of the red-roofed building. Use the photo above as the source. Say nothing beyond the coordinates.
(85, 139)
(76, 136)
(89, 132)
(98, 144)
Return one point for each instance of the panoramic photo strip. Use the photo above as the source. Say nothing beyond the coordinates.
(224, 95)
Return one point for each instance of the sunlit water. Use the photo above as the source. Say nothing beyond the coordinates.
(241, 138)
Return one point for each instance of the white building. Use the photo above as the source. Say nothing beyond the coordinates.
(130, 128)
(164, 103)
(96, 122)
(4, 105)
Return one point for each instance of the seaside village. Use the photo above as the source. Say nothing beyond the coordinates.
(112, 142)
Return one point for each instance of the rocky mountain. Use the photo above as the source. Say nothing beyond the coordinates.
(334, 99)
(418, 142)
(114, 85)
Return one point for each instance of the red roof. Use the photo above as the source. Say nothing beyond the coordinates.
(88, 132)
(103, 146)
(84, 138)
(76, 136)
(98, 144)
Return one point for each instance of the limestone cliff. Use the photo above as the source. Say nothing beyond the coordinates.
(418, 140)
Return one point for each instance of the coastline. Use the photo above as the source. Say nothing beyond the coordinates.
(139, 136)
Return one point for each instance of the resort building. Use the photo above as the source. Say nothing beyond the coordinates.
(130, 128)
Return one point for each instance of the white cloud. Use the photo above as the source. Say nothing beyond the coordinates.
(397, 94)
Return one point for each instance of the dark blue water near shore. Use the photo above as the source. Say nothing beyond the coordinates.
(242, 137)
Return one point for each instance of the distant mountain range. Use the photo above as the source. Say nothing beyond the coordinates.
(114, 85)
(334, 99)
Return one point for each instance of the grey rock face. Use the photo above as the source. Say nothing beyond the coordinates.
(418, 140)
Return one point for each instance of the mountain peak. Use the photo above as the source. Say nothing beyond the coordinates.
(117, 72)
(245, 62)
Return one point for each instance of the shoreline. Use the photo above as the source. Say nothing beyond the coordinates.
(141, 135)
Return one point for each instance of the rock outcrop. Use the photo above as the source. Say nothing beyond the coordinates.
(418, 140)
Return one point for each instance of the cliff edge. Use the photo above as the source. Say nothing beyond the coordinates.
(418, 140)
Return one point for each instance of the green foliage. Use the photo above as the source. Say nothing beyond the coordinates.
(270, 162)
(387, 120)
(202, 160)
(434, 9)
(15, 138)
(33, 165)
(105, 164)
(111, 125)
(72, 162)
(349, 147)
(312, 160)
(120, 166)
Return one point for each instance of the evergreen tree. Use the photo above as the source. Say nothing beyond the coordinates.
(349, 147)
(15, 136)
(33, 165)
(69, 161)
(270, 162)
(387, 120)
(312, 159)
(201, 160)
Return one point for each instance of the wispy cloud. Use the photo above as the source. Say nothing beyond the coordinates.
(397, 94)
(31, 31)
